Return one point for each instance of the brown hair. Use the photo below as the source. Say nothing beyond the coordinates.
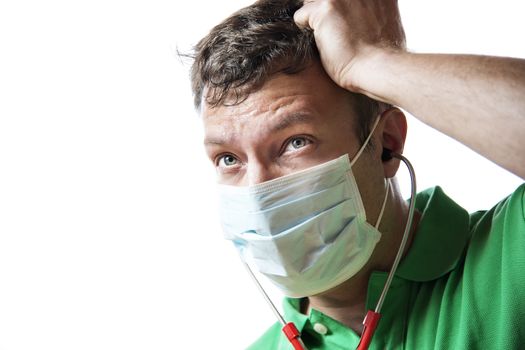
(250, 46)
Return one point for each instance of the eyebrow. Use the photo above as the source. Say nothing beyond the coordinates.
(291, 120)
(285, 122)
(212, 140)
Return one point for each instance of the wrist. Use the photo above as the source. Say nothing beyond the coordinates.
(371, 71)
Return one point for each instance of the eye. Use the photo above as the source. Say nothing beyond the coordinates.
(297, 143)
(227, 160)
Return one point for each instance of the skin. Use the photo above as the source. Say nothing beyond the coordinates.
(361, 44)
(297, 121)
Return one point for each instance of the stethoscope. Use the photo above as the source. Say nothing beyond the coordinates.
(372, 317)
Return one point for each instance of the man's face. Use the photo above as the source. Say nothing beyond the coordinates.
(293, 122)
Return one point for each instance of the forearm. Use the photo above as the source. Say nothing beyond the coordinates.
(477, 100)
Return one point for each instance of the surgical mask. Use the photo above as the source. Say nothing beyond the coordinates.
(307, 231)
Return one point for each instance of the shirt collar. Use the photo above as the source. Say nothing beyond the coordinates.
(292, 312)
(440, 239)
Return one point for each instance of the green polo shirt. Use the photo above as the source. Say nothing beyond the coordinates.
(461, 286)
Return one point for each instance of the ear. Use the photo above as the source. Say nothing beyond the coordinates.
(393, 130)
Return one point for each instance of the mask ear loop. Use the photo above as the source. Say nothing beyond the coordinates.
(374, 126)
(383, 206)
(372, 317)
(358, 154)
(289, 329)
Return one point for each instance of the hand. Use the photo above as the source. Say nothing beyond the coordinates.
(348, 32)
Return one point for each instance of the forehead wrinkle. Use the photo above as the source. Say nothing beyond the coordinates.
(291, 110)
(221, 138)
(262, 114)
(226, 130)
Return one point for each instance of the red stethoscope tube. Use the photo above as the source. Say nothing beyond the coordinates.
(290, 331)
(293, 335)
(370, 323)
(372, 317)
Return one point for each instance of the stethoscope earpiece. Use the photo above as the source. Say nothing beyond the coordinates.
(387, 155)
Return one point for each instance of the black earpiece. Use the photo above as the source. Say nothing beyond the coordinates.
(387, 155)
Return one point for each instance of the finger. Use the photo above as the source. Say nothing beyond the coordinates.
(302, 16)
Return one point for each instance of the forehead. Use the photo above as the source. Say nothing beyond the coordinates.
(309, 91)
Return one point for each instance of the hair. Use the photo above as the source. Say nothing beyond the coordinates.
(255, 43)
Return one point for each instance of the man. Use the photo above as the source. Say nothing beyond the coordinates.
(294, 95)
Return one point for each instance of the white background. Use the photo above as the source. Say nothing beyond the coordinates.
(109, 237)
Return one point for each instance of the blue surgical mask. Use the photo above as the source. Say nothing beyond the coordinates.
(307, 232)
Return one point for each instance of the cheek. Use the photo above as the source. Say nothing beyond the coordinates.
(369, 175)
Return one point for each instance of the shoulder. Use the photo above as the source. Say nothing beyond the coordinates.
(497, 243)
(506, 217)
(514, 205)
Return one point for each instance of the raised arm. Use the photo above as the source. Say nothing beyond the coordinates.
(477, 100)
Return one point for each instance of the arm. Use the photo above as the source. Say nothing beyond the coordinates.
(477, 100)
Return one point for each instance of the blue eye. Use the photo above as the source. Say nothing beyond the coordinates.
(297, 143)
(227, 160)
